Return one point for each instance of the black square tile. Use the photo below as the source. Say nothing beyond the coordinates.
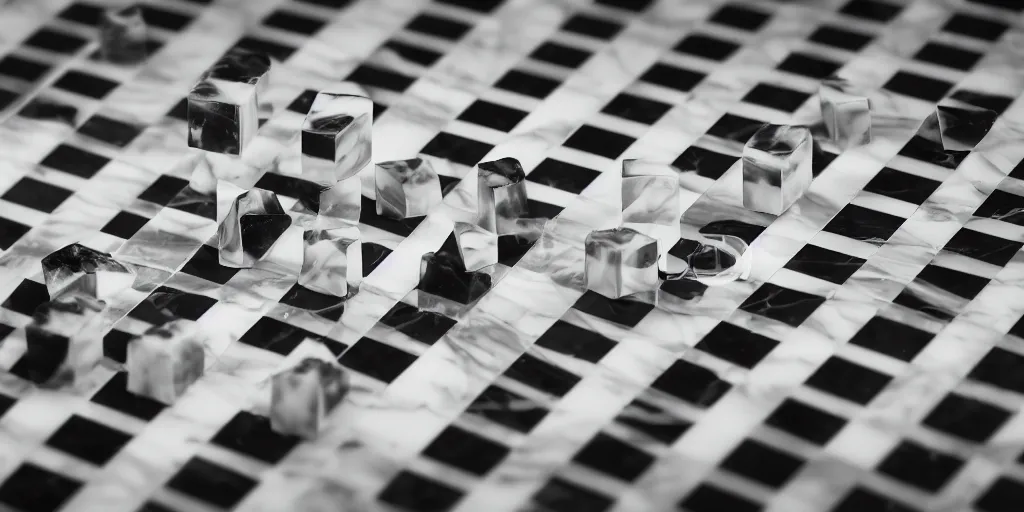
(251, 435)
(11, 232)
(412, 53)
(834, 267)
(7, 98)
(537, 209)
(577, 342)
(541, 375)
(809, 65)
(864, 224)
(981, 246)
(918, 86)
(115, 345)
(438, 27)
(806, 422)
(321, 304)
(614, 457)
(1003, 206)
(335, 4)
(994, 102)
(124, 225)
(163, 190)
(492, 115)
(275, 50)
(901, 185)
(212, 483)
(6, 403)
(848, 380)
(892, 338)
(114, 394)
(457, 149)
(507, 408)
(303, 102)
(411, 491)
(22, 67)
(373, 255)
(165, 19)
(424, 326)
(80, 12)
(90, 441)
(165, 301)
(275, 336)
(560, 54)
(788, 306)
(372, 76)
(48, 39)
(967, 418)
(671, 77)
(368, 215)
(706, 46)
(711, 498)
(373, 358)
(292, 22)
(527, 83)
(691, 383)
(653, 421)
(1005, 495)
(960, 283)
(85, 84)
(26, 297)
(773, 96)
(704, 162)
(109, 130)
(931, 151)
(920, 466)
(36, 194)
(874, 10)
(971, 26)
(1000, 368)
(205, 263)
(180, 110)
(635, 108)
(861, 499)
(591, 26)
(740, 17)
(1012, 5)
(736, 345)
(465, 450)
(152, 506)
(562, 175)
(32, 488)
(72, 160)
(735, 128)
(623, 312)
(560, 495)
(629, 5)
(599, 141)
(762, 463)
(482, 6)
(840, 38)
(949, 56)
(1018, 328)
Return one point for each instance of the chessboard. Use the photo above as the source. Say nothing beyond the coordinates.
(872, 360)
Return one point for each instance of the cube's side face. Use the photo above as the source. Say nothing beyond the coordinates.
(762, 185)
(602, 270)
(422, 193)
(848, 122)
(296, 404)
(150, 370)
(391, 194)
(188, 363)
(214, 126)
(798, 176)
(354, 144)
(650, 200)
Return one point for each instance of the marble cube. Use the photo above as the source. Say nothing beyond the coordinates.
(846, 112)
(620, 262)
(332, 261)
(501, 195)
(123, 35)
(224, 105)
(776, 168)
(165, 360)
(64, 340)
(78, 269)
(250, 228)
(337, 137)
(303, 396)
(477, 246)
(406, 188)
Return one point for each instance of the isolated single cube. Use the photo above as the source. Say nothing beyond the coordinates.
(254, 222)
(846, 112)
(776, 168)
(332, 261)
(477, 246)
(303, 396)
(123, 35)
(224, 105)
(620, 262)
(64, 341)
(650, 193)
(78, 269)
(962, 126)
(337, 137)
(406, 188)
(501, 199)
(443, 274)
(164, 361)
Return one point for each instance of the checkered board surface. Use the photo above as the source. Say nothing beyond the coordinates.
(873, 361)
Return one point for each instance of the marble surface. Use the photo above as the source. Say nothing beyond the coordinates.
(871, 361)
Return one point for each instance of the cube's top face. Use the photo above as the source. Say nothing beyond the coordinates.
(124, 16)
(500, 173)
(632, 168)
(79, 258)
(240, 66)
(838, 90)
(413, 171)
(259, 201)
(314, 236)
(178, 333)
(621, 240)
(962, 113)
(331, 113)
(221, 91)
(778, 140)
(327, 372)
